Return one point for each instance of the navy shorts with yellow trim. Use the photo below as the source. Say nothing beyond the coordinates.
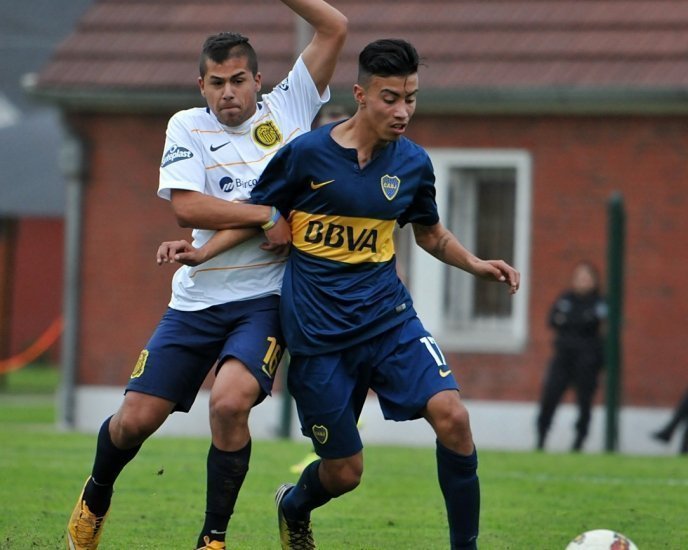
(186, 345)
(404, 366)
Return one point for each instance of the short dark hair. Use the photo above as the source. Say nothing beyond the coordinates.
(220, 47)
(387, 57)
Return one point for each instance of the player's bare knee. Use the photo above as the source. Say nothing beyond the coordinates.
(229, 409)
(458, 418)
(451, 422)
(129, 428)
(139, 416)
(455, 433)
(234, 392)
(351, 475)
(342, 475)
(344, 483)
(455, 425)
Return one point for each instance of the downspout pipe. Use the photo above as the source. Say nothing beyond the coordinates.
(72, 167)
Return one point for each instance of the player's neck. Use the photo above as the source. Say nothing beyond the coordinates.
(355, 133)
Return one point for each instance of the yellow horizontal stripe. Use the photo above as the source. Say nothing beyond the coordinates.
(200, 131)
(244, 162)
(241, 162)
(345, 239)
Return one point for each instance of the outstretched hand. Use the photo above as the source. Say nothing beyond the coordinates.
(500, 271)
(179, 251)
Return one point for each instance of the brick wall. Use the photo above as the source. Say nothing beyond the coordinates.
(37, 275)
(124, 292)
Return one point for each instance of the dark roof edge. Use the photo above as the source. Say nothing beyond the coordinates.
(468, 101)
(117, 100)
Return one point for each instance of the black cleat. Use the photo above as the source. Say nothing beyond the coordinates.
(294, 535)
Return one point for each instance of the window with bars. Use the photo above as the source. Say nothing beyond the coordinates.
(484, 199)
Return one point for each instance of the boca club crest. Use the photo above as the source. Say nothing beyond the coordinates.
(320, 433)
(390, 186)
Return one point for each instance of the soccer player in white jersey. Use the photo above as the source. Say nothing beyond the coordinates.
(226, 312)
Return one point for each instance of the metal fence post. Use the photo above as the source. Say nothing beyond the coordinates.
(615, 278)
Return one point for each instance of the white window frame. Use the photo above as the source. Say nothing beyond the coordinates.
(427, 273)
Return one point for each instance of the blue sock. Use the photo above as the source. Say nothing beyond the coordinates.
(307, 494)
(458, 479)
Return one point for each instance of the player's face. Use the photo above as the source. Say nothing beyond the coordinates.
(388, 104)
(230, 90)
(583, 280)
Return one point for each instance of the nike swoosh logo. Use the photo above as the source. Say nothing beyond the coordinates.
(213, 148)
(444, 373)
(319, 185)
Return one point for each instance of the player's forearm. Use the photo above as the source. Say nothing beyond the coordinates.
(199, 211)
(443, 245)
(321, 54)
(224, 240)
(323, 17)
(450, 251)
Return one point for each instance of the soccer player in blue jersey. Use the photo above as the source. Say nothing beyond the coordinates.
(224, 315)
(349, 321)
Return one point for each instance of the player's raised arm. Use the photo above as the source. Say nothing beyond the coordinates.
(438, 241)
(320, 55)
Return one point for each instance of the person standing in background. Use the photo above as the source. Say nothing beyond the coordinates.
(577, 318)
(332, 112)
(680, 415)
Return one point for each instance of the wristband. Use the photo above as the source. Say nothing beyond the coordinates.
(274, 216)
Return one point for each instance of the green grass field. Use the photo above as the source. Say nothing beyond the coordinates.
(530, 500)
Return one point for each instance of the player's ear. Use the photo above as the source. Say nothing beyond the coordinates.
(258, 79)
(359, 95)
(201, 86)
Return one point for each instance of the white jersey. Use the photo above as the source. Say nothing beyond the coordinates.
(203, 155)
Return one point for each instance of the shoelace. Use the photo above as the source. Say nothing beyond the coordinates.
(300, 534)
(87, 527)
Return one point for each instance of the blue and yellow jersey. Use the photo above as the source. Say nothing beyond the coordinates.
(341, 286)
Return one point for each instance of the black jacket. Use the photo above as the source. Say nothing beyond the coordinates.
(577, 319)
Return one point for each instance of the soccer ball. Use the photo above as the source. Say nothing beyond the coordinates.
(601, 539)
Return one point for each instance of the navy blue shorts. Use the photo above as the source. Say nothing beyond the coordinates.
(186, 345)
(403, 366)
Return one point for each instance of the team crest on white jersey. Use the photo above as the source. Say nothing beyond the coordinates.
(390, 186)
(267, 134)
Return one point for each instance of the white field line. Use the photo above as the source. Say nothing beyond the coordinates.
(592, 480)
